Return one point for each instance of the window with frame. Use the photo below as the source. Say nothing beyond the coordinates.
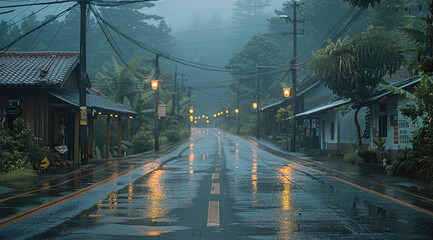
(383, 126)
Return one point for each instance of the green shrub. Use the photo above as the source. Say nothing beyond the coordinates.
(18, 174)
(20, 149)
(143, 140)
(351, 157)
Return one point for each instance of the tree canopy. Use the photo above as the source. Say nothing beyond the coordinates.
(353, 68)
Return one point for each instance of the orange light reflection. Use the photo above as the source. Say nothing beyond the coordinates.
(157, 207)
(286, 218)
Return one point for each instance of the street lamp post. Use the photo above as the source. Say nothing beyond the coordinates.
(154, 84)
(295, 32)
(286, 92)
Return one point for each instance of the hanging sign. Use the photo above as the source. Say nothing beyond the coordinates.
(83, 115)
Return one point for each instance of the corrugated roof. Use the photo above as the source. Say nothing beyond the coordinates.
(324, 107)
(36, 68)
(94, 101)
(272, 105)
(380, 92)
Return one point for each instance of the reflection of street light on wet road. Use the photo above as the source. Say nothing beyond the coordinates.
(237, 120)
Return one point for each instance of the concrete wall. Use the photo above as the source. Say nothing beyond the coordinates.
(344, 129)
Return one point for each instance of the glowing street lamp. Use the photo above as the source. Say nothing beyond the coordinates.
(219, 114)
(255, 105)
(154, 84)
(191, 110)
(207, 121)
(227, 111)
(286, 92)
(214, 115)
(236, 110)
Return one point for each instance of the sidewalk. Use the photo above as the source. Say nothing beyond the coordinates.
(375, 171)
(53, 173)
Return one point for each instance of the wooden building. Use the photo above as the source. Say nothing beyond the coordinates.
(42, 88)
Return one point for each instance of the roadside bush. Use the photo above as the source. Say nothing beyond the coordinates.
(351, 157)
(142, 140)
(20, 149)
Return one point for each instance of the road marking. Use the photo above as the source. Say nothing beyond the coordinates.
(215, 175)
(81, 171)
(29, 212)
(213, 214)
(364, 188)
(218, 165)
(353, 184)
(218, 169)
(215, 189)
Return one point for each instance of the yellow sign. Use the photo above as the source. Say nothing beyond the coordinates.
(83, 115)
(45, 163)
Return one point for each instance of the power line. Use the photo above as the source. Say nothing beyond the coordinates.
(117, 3)
(5, 48)
(16, 16)
(164, 55)
(42, 29)
(36, 4)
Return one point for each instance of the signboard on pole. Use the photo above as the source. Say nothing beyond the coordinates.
(83, 116)
(162, 111)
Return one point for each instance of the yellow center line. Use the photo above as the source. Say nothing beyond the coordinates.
(213, 214)
(215, 188)
(380, 184)
(366, 189)
(345, 174)
(81, 176)
(218, 169)
(29, 212)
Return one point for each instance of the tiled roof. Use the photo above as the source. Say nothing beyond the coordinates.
(36, 68)
(93, 100)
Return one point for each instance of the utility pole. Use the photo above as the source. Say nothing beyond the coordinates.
(295, 32)
(156, 104)
(258, 100)
(82, 84)
(189, 96)
(293, 142)
(237, 114)
(178, 94)
(174, 93)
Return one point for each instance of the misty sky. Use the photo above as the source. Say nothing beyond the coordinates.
(179, 13)
(183, 16)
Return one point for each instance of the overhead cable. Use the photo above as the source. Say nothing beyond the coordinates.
(36, 4)
(5, 48)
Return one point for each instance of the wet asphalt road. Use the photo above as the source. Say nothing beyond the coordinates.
(219, 186)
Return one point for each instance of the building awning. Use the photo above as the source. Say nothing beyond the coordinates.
(275, 104)
(323, 108)
(94, 100)
(383, 93)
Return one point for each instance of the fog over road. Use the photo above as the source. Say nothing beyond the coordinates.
(218, 186)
